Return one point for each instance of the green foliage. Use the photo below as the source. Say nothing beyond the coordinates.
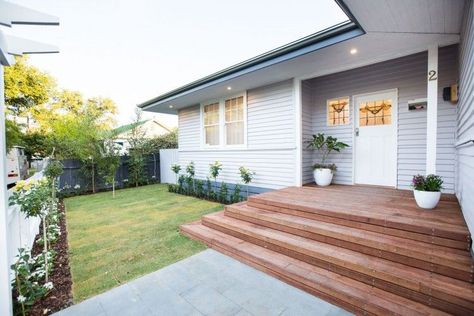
(209, 192)
(31, 197)
(189, 185)
(108, 162)
(246, 175)
(165, 141)
(139, 147)
(176, 168)
(191, 169)
(36, 145)
(199, 188)
(223, 192)
(26, 86)
(332, 167)
(29, 273)
(181, 182)
(236, 195)
(431, 183)
(325, 145)
(214, 170)
(54, 169)
(13, 134)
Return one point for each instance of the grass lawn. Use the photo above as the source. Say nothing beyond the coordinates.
(112, 241)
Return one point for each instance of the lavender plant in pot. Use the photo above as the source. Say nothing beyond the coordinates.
(427, 190)
(323, 173)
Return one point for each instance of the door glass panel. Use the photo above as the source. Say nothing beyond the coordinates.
(375, 113)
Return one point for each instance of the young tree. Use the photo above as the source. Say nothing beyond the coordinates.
(109, 162)
(139, 148)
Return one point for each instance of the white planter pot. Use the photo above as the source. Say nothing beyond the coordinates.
(427, 200)
(323, 176)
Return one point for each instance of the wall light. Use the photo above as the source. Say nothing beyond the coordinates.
(354, 51)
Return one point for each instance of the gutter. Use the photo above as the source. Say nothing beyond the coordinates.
(333, 31)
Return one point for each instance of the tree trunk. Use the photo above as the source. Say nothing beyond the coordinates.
(45, 250)
(93, 177)
(54, 189)
(113, 187)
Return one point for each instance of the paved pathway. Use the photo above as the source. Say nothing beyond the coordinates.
(208, 283)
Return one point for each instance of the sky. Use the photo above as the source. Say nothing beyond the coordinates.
(132, 51)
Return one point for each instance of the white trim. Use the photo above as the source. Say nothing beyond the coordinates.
(222, 137)
(394, 126)
(432, 110)
(297, 94)
(327, 110)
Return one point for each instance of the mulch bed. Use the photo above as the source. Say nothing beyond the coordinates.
(60, 296)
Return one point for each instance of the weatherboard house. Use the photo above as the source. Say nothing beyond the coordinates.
(394, 82)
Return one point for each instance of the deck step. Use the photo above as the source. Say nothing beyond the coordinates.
(442, 260)
(350, 294)
(443, 226)
(431, 289)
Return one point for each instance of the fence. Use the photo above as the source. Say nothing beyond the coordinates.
(74, 177)
(21, 230)
(167, 158)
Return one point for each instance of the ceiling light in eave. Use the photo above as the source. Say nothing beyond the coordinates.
(171, 106)
(353, 51)
(229, 88)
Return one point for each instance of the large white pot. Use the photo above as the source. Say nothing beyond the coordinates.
(323, 176)
(426, 199)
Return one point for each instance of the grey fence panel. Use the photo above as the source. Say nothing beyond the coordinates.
(76, 176)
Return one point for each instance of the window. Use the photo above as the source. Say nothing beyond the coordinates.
(375, 113)
(224, 122)
(338, 111)
(234, 121)
(211, 124)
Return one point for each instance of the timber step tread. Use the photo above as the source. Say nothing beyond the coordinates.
(378, 271)
(350, 294)
(443, 260)
(371, 210)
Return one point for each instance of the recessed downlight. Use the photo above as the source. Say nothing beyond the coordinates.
(171, 106)
(229, 88)
(353, 51)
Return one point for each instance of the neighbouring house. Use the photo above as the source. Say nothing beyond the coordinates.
(151, 128)
(396, 83)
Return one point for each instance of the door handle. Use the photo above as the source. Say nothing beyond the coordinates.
(357, 131)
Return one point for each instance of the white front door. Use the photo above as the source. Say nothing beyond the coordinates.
(376, 138)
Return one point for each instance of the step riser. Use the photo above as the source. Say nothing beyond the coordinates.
(341, 299)
(437, 300)
(396, 257)
(457, 244)
(282, 275)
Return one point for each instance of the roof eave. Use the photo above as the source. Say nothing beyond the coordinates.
(325, 34)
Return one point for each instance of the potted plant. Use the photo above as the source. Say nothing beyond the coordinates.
(427, 190)
(323, 172)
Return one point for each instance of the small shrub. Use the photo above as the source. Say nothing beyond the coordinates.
(176, 169)
(209, 191)
(236, 195)
(189, 185)
(247, 176)
(199, 189)
(325, 166)
(181, 181)
(223, 192)
(431, 183)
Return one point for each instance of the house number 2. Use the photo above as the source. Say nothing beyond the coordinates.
(432, 75)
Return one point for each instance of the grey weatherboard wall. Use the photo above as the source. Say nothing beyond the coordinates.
(271, 140)
(465, 119)
(408, 75)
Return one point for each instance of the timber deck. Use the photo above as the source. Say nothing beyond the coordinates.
(368, 250)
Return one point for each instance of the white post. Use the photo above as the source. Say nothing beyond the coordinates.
(5, 289)
(432, 112)
(298, 132)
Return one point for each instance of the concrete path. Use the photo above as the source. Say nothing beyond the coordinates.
(208, 283)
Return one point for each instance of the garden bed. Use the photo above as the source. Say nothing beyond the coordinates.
(60, 296)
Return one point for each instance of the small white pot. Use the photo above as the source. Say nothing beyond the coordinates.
(323, 176)
(426, 199)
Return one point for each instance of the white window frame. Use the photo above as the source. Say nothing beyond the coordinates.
(222, 127)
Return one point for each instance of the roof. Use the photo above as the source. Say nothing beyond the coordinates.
(260, 59)
(127, 127)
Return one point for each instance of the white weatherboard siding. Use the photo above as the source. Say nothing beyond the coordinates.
(271, 136)
(408, 75)
(465, 115)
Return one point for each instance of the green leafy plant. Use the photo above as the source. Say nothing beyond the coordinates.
(430, 183)
(181, 182)
(325, 145)
(189, 185)
(209, 191)
(214, 170)
(223, 192)
(199, 188)
(191, 171)
(176, 169)
(247, 176)
(52, 171)
(108, 162)
(332, 166)
(236, 194)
